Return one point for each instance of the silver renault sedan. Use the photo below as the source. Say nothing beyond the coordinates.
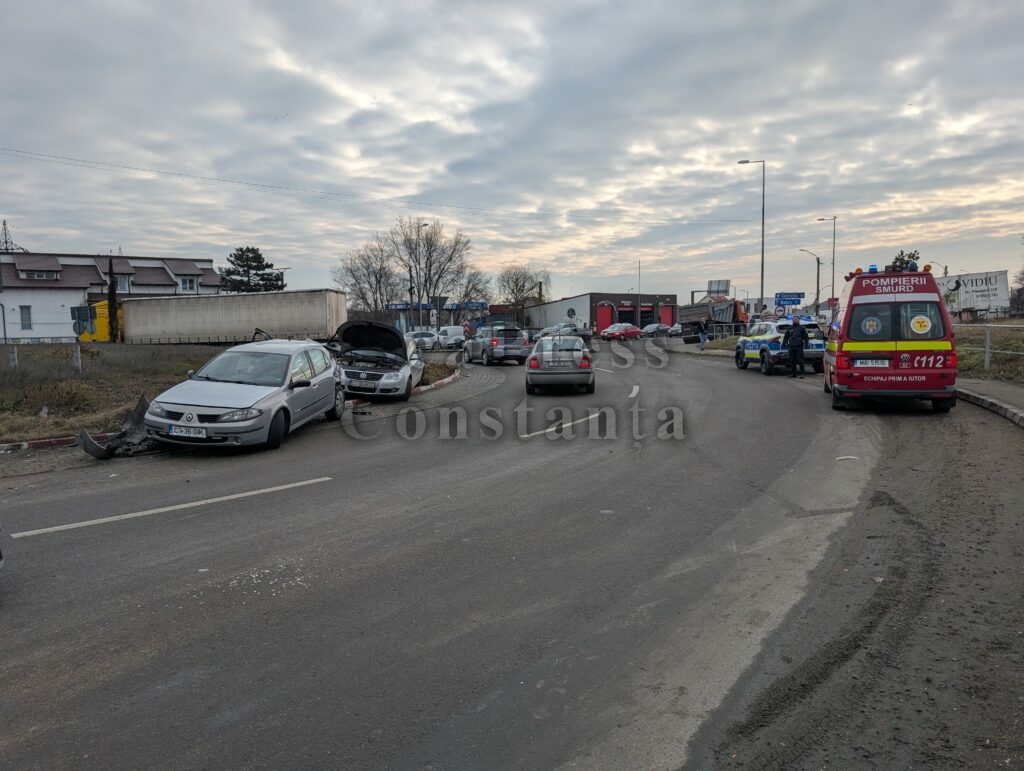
(251, 394)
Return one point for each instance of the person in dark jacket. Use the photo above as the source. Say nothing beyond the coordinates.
(702, 331)
(795, 340)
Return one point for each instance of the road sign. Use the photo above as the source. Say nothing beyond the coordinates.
(571, 313)
(396, 306)
(779, 310)
(788, 298)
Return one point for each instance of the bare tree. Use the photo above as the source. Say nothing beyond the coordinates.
(474, 286)
(369, 276)
(518, 283)
(434, 262)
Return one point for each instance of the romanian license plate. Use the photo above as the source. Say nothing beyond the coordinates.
(871, 362)
(192, 432)
(559, 363)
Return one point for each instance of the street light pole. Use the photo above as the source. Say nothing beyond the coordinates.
(761, 300)
(817, 280)
(826, 219)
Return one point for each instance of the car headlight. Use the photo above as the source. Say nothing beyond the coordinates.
(157, 410)
(236, 415)
(392, 377)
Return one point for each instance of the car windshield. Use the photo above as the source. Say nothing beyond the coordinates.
(559, 344)
(249, 367)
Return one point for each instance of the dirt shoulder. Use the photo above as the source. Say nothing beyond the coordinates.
(909, 650)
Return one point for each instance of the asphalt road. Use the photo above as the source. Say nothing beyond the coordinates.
(448, 583)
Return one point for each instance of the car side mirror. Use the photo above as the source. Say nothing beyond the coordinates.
(300, 384)
(191, 372)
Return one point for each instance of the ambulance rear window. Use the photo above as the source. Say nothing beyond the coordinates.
(897, 321)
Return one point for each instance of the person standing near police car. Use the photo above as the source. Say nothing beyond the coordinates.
(795, 339)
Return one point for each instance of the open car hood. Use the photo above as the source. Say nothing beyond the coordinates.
(370, 335)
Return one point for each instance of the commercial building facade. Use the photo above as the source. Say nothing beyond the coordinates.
(598, 310)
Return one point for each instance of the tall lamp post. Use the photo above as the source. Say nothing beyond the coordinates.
(280, 272)
(817, 279)
(826, 219)
(761, 300)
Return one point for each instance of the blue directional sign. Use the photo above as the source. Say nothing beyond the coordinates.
(396, 306)
(789, 298)
(475, 305)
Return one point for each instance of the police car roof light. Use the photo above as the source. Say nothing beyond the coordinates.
(913, 267)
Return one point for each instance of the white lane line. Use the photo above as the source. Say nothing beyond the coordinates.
(634, 392)
(600, 369)
(162, 509)
(559, 425)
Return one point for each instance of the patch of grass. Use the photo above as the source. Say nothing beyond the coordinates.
(112, 378)
(436, 370)
(1006, 359)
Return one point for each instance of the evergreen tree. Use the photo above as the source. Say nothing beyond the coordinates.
(250, 272)
(902, 260)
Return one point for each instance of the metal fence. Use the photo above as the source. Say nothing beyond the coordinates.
(997, 342)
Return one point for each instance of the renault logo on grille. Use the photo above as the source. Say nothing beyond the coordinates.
(188, 418)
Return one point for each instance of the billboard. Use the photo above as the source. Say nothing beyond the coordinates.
(976, 291)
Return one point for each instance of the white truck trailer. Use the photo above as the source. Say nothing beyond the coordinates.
(233, 318)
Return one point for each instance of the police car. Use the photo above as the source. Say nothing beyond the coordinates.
(763, 345)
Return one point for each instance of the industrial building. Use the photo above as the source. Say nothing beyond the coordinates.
(598, 310)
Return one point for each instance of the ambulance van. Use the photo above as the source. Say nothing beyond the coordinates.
(891, 338)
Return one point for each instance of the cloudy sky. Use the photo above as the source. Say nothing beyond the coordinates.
(584, 135)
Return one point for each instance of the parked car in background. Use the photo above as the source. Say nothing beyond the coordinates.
(676, 330)
(376, 360)
(532, 333)
(497, 344)
(655, 330)
(451, 337)
(559, 361)
(251, 394)
(570, 328)
(620, 331)
(426, 340)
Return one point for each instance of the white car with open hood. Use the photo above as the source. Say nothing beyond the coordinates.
(376, 360)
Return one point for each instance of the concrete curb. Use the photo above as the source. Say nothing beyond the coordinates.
(1011, 413)
(71, 441)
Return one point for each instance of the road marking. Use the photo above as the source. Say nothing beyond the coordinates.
(609, 371)
(634, 392)
(162, 509)
(559, 425)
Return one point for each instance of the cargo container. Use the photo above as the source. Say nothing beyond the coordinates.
(233, 318)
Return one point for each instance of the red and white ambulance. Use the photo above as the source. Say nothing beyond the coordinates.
(891, 338)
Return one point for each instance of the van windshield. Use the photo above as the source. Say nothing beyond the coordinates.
(897, 321)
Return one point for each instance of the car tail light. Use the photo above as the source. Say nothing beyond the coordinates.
(585, 362)
(494, 342)
(843, 361)
(534, 362)
(951, 360)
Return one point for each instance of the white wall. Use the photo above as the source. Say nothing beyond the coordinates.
(51, 312)
(554, 313)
